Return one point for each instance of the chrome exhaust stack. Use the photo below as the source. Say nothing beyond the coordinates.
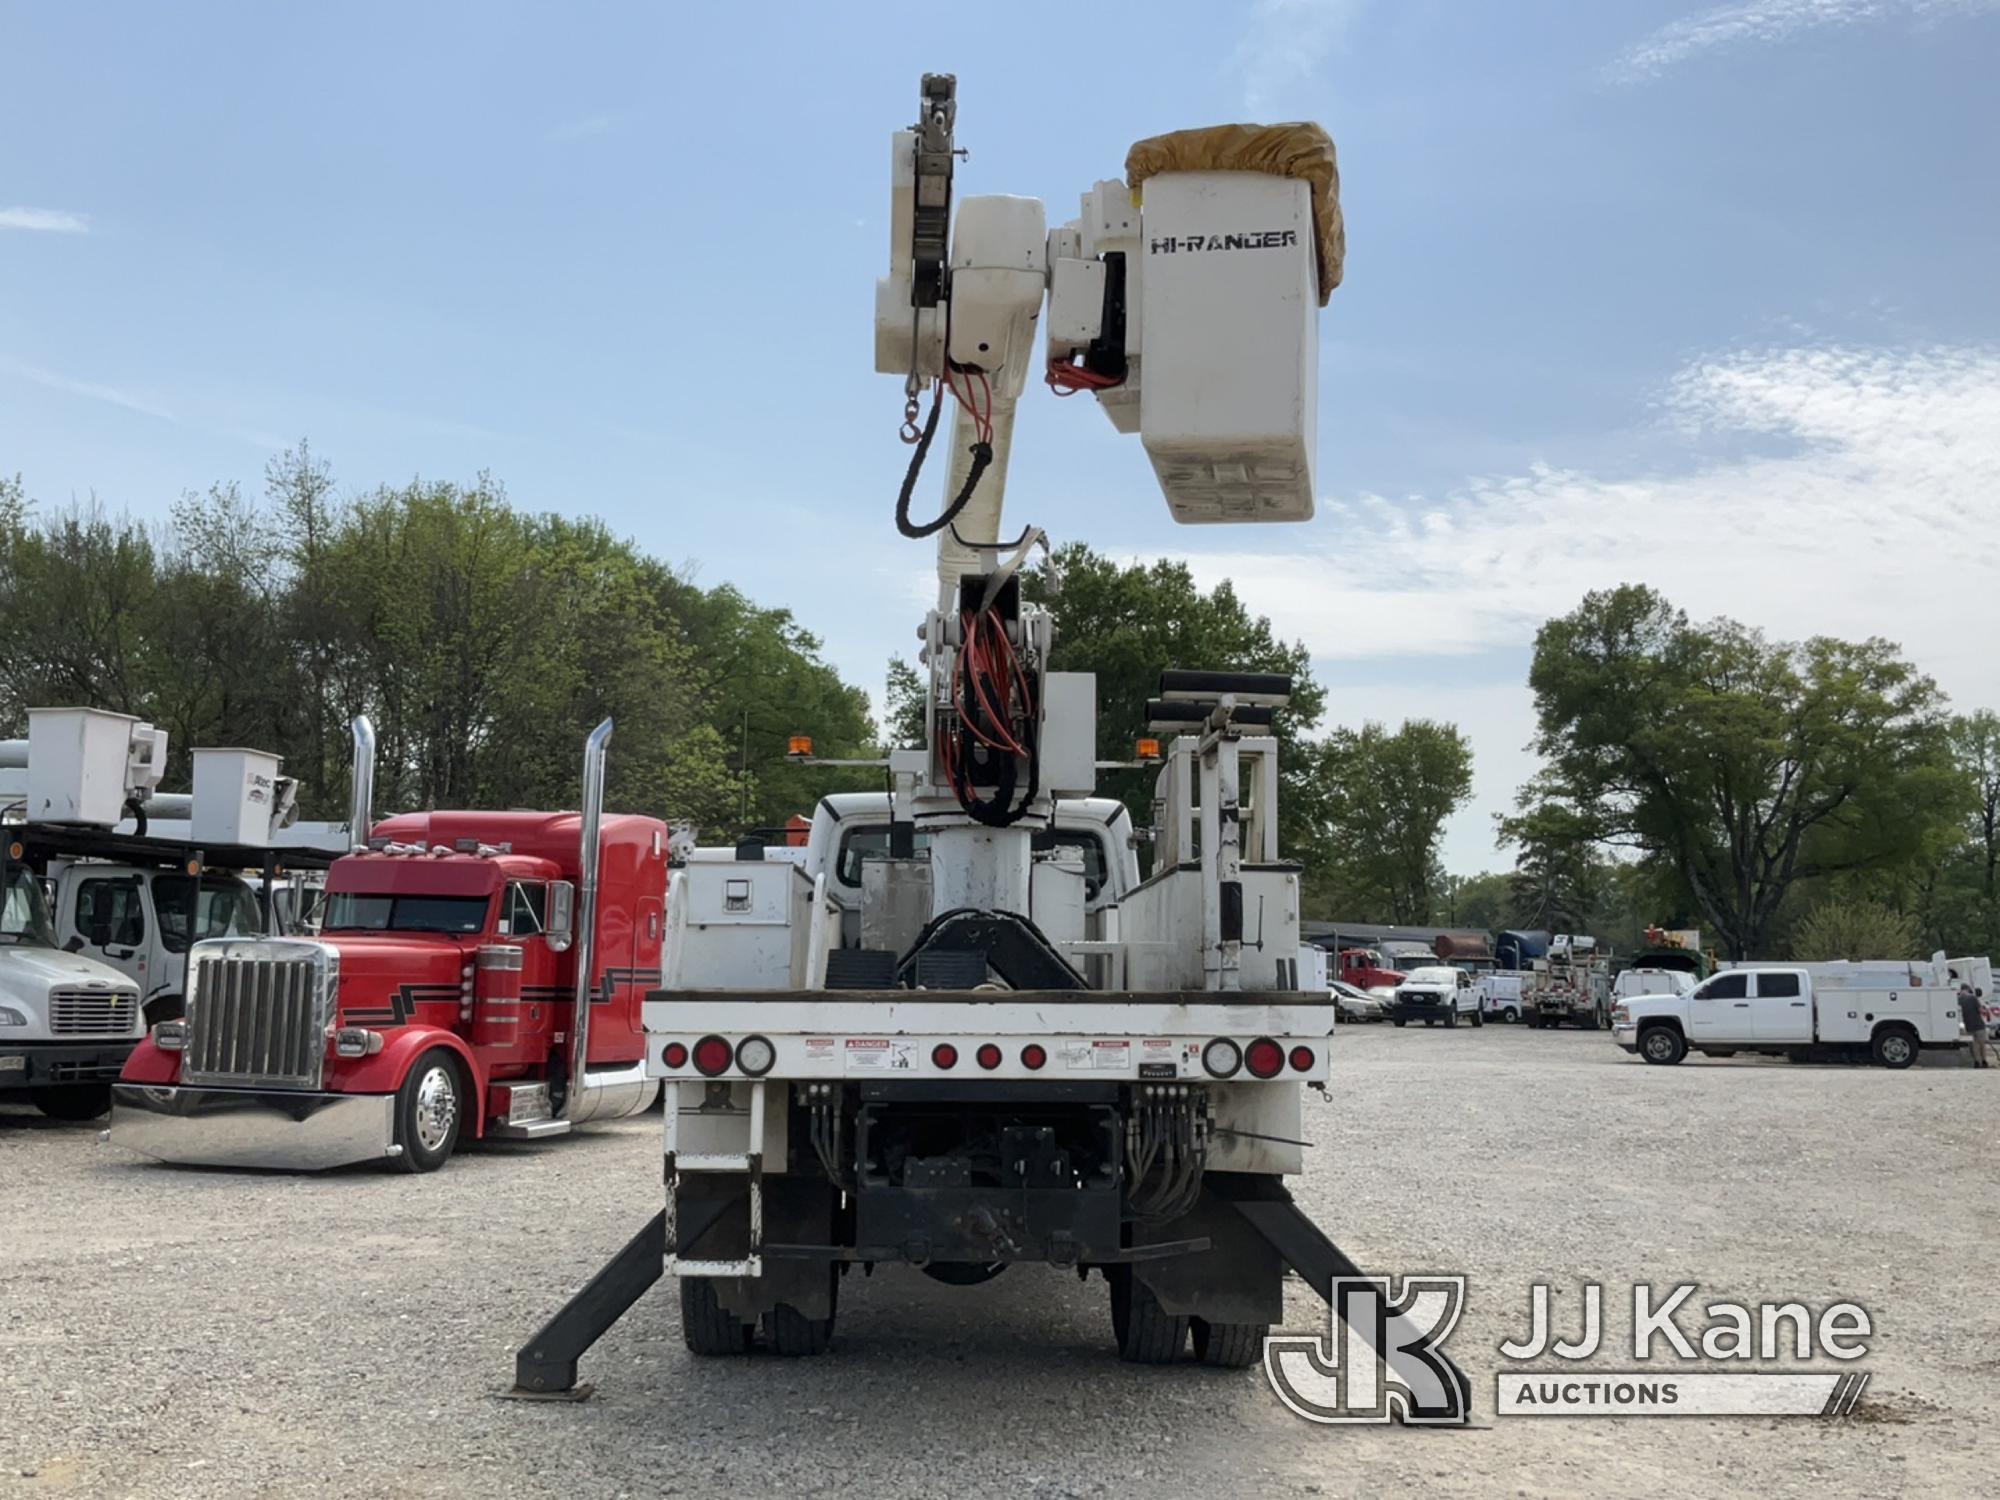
(614, 1092)
(361, 798)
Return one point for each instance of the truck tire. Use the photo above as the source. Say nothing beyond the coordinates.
(1662, 1045)
(1146, 1335)
(792, 1334)
(705, 1328)
(430, 1108)
(1228, 1346)
(1451, 1017)
(1510, 1016)
(1478, 1018)
(1894, 1046)
(73, 1101)
(1401, 1020)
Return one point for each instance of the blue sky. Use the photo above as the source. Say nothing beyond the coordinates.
(1699, 296)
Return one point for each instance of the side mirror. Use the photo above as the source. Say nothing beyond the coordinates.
(561, 930)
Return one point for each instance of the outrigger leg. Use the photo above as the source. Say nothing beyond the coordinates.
(545, 1367)
(1269, 1209)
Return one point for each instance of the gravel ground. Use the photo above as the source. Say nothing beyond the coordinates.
(182, 1332)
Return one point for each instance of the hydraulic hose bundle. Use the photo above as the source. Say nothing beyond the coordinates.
(995, 712)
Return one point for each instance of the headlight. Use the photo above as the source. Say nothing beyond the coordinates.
(171, 1036)
(11, 1017)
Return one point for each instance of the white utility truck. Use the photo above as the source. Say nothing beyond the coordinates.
(134, 874)
(1006, 1059)
(67, 1021)
(1887, 1011)
(1437, 994)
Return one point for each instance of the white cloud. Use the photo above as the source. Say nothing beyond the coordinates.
(1828, 490)
(581, 130)
(88, 389)
(1752, 22)
(46, 220)
(1285, 43)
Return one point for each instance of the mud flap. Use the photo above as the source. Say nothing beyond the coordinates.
(714, 1219)
(1238, 1279)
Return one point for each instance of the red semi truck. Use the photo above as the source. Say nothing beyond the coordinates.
(477, 974)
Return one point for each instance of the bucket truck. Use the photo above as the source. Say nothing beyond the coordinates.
(996, 1067)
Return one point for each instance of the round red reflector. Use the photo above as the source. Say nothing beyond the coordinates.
(674, 1054)
(988, 1055)
(1033, 1056)
(711, 1056)
(944, 1055)
(1302, 1058)
(1263, 1058)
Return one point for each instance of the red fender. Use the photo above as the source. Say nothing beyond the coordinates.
(384, 1072)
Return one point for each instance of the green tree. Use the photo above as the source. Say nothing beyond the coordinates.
(1742, 765)
(1385, 797)
(1481, 902)
(1855, 929)
(1127, 622)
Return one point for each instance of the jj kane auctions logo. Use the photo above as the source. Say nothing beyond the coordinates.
(1381, 1359)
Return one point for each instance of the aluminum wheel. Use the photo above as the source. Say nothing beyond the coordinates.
(437, 1107)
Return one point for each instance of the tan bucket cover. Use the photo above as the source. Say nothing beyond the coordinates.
(1304, 151)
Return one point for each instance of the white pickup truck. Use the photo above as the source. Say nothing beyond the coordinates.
(1837, 1010)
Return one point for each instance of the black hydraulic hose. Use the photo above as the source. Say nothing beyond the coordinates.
(982, 455)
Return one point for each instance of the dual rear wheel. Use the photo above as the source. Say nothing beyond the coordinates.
(1148, 1334)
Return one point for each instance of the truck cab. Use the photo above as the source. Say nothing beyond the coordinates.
(136, 920)
(438, 1002)
(1366, 969)
(1434, 994)
(1842, 1011)
(850, 828)
(67, 1022)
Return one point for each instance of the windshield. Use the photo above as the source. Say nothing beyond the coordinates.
(226, 907)
(1432, 976)
(24, 916)
(357, 911)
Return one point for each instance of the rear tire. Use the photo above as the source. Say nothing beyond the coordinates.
(1478, 1018)
(1228, 1346)
(1662, 1045)
(792, 1334)
(1894, 1047)
(1401, 1020)
(1146, 1334)
(430, 1109)
(73, 1102)
(705, 1327)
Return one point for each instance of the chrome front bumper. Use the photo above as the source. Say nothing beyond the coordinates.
(210, 1127)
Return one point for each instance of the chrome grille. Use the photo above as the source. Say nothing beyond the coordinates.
(259, 1011)
(93, 1012)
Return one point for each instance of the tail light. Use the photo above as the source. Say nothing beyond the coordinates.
(1302, 1059)
(1222, 1058)
(674, 1054)
(988, 1055)
(1033, 1056)
(1264, 1058)
(711, 1056)
(944, 1055)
